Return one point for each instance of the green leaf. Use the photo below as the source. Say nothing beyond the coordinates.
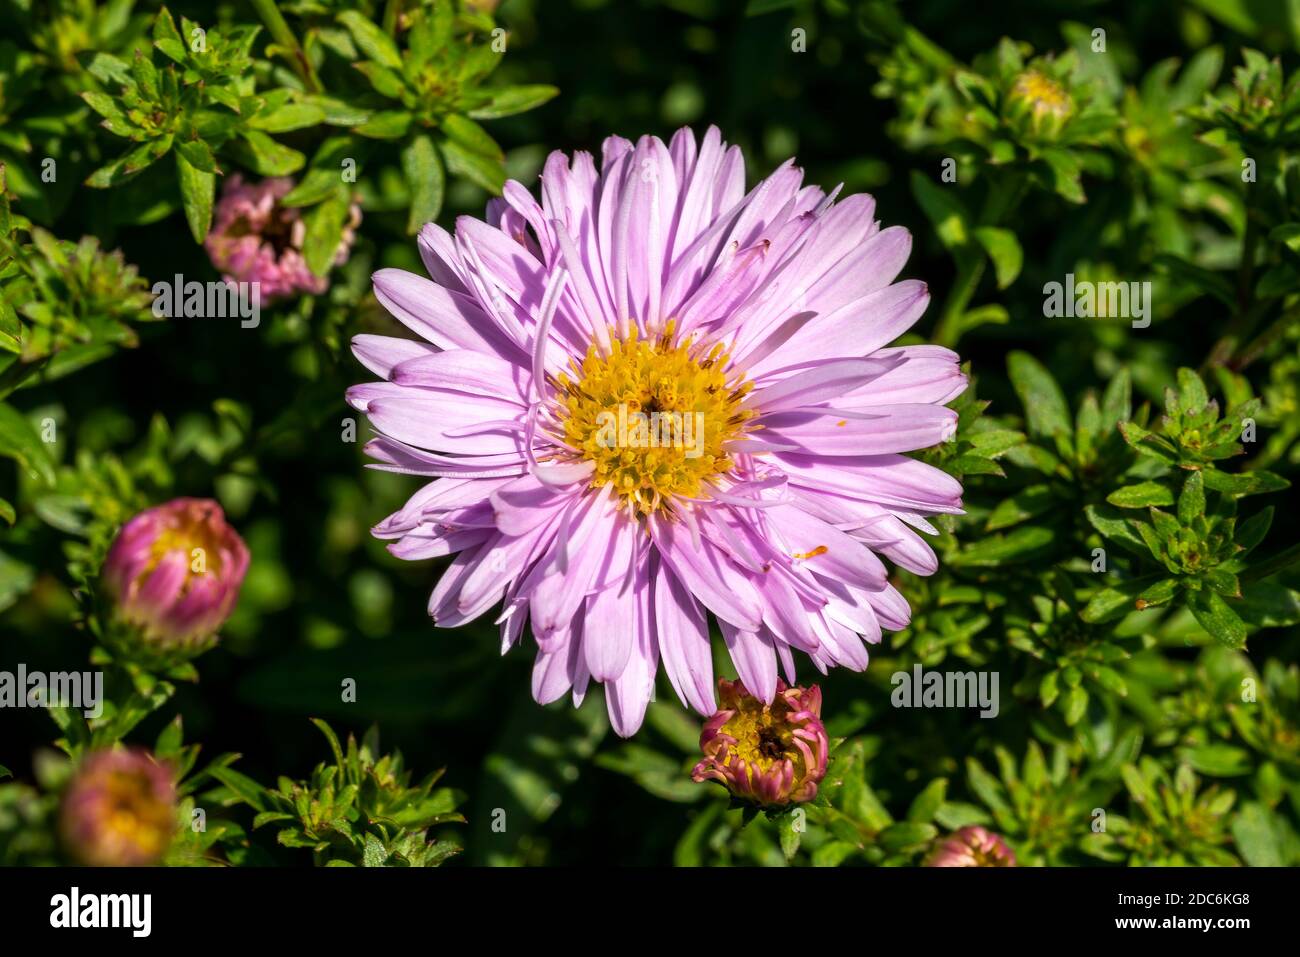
(1025, 544)
(1075, 704)
(1004, 250)
(385, 125)
(943, 208)
(289, 116)
(167, 39)
(425, 179)
(374, 42)
(264, 155)
(482, 170)
(1141, 495)
(1241, 484)
(198, 189)
(1198, 277)
(1216, 617)
(1049, 689)
(1191, 501)
(906, 834)
(471, 136)
(1251, 532)
(1064, 176)
(1027, 503)
(1191, 389)
(20, 441)
(1159, 593)
(103, 104)
(324, 225)
(1046, 412)
(1259, 835)
(989, 314)
(1217, 760)
(927, 803)
(241, 786)
(1117, 403)
(1269, 605)
(790, 829)
(1116, 601)
(512, 100)
(385, 82)
(374, 854)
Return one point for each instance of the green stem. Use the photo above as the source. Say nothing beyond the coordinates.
(971, 261)
(284, 38)
(970, 270)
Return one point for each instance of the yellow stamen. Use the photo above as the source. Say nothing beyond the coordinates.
(653, 416)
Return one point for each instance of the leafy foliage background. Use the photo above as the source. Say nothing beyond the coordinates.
(1139, 714)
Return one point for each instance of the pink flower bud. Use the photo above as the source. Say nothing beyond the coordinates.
(255, 239)
(173, 574)
(119, 810)
(770, 754)
(971, 846)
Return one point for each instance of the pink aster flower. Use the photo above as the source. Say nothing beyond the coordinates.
(773, 754)
(119, 810)
(255, 239)
(173, 575)
(972, 846)
(652, 396)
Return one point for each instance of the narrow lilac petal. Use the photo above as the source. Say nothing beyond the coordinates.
(684, 642)
(708, 573)
(447, 319)
(464, 370)
(380, 354)
(755, 659)
(887, 428)
(824, 548)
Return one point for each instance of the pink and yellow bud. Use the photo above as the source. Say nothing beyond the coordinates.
(173, 574)
(972, 846)
(119, 810)
(770, 754)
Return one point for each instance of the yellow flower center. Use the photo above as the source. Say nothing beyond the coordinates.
(654, 417)
(1044, 95)
(135, 816)
(194, 535)
(762, 739)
